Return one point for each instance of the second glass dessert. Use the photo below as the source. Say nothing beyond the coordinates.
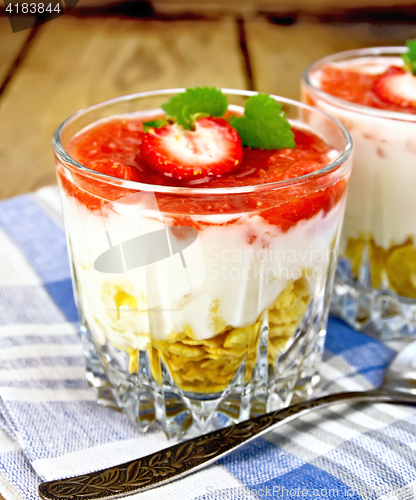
(203, 294)
(372, 93)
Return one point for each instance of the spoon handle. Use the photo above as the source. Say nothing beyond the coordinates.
(184, 458)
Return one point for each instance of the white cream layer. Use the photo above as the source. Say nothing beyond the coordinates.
(381, 197)
(234, 272)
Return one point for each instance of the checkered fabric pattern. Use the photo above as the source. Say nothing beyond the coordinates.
(52, 427)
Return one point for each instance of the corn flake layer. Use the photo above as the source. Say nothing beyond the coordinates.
(395, 265)
(207, 366)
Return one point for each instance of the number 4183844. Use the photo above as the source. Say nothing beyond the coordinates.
(32, 8)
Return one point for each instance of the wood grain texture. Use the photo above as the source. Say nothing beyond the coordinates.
(10, 46)
(280, 54)
(251, 6)
(77, 62)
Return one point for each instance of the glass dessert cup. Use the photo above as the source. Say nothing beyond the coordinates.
(201, 307)
(375, 282)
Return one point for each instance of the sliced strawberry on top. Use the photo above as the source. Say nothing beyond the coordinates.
(212, 149)
(114, 168)
(397, 86)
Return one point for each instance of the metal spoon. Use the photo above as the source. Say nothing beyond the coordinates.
(399, 386)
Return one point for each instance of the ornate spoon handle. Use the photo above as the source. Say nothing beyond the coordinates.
(184, 458)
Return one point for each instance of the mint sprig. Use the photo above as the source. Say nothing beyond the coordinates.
(192, 104)
(409, 58)
(264, 124)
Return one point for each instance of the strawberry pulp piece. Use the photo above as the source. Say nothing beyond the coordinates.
(213, 149)
(114, 168)
(397, 86)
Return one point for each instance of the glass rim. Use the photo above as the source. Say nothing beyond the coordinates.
(352, 106)
(65, 158)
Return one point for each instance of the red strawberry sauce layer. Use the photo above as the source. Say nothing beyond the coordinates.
(113, 147)
(356, 87)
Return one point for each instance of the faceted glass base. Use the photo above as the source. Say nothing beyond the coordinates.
(388, 314)
(184, 415)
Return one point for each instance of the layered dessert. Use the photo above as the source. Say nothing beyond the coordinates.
(201, 245)
(373, 93)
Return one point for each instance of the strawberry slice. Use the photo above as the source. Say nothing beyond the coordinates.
(114, 168)
(212, 149)
(397, 86)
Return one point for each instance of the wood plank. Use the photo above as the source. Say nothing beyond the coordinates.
(10, 46)
(177, 6)
(277, 6)
(77, 62)
(280, 54)
(246, 7)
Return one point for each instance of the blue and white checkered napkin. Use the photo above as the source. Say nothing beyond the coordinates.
(52, 426)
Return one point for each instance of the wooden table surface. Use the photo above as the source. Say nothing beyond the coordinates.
(72, 62)
(49, 73)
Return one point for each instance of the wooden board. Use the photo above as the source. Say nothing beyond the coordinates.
(77, 62)
(280, 54)
(252, 6)
(10, 46)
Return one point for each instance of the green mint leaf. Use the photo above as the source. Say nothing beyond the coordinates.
(184, 106)
(409, 58)
(264, 124)
(160, 122)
